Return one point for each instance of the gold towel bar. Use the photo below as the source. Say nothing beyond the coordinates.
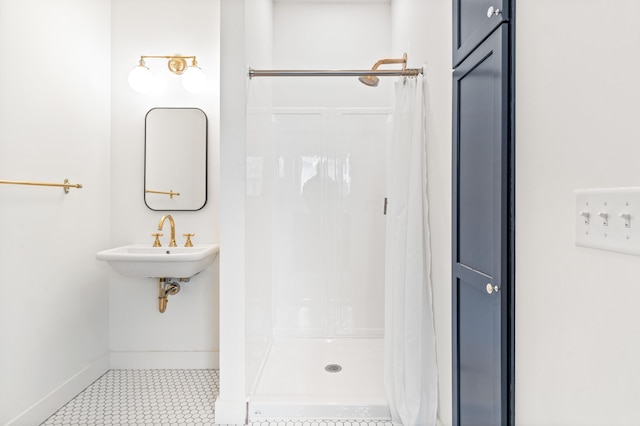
(66, 185)
(170, 193)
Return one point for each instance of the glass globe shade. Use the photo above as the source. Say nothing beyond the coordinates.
(141, 79)
(194, 80)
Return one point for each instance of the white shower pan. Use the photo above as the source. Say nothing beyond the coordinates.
(294, 383)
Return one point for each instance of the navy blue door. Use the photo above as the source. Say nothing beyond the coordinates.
(473, 21)
(482, 292)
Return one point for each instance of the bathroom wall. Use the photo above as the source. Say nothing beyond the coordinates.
(258, 249)
(331, 35)
(577, 316)
(54, 124)
(231, 404)
(186, 335)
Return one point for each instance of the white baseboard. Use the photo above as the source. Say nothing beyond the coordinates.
(64, 393)
(164, 360)
(230, 412)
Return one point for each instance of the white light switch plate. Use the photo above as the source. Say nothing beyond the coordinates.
(608, 219)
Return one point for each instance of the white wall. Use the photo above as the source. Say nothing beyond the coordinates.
(331, 35)
(54, 124)
(258, 248)
(186, 335)
(577, 316)
(231, 403)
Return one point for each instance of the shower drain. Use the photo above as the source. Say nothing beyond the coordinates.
(333, 368)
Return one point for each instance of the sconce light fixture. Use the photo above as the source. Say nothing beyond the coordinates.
(142, 80)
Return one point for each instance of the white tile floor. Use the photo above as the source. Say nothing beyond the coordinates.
(159, 398)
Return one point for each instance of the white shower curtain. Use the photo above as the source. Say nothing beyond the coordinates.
(410, 374)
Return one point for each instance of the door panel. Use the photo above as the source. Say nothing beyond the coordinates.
(476, 169)
(479, 346)
(481, 239)
(471, 25)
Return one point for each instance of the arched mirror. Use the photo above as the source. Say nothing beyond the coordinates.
(175, 161)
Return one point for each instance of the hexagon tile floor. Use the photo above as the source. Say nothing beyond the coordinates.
(159, 398)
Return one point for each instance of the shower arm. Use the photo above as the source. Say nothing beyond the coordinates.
(402, 61)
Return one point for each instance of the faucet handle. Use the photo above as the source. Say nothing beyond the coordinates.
(156, 243)
(188, 243)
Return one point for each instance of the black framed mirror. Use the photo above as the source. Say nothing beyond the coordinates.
(175, 160)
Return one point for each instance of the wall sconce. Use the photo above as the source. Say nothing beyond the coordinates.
(142, 80)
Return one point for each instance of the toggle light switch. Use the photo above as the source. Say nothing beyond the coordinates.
(605, 218)
(586, 216)
(627, 219)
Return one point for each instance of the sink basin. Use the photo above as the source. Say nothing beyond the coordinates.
(144, 261)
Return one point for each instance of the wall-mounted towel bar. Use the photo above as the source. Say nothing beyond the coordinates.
(66, 185)
(170, 193)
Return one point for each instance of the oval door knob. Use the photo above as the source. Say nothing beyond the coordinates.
(491, 288)
(492, 11)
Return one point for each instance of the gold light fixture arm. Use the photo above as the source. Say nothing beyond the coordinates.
(177, 64)
(66, 185)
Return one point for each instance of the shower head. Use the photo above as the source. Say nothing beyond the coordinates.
(369, 80)
(372, 80)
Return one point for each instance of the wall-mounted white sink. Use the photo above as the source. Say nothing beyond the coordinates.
(144, 261)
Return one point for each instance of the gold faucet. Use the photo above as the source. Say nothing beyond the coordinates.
(172, 242)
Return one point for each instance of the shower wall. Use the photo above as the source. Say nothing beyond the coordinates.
(315, 175)
(322, 187)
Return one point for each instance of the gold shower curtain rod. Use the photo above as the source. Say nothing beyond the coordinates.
(66, 185)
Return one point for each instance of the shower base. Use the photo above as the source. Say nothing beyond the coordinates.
(339, 378)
